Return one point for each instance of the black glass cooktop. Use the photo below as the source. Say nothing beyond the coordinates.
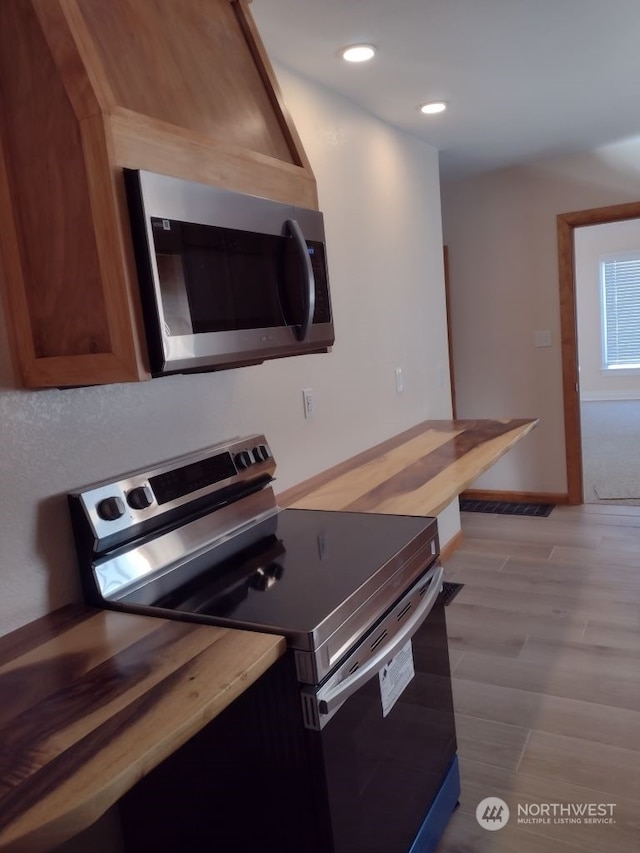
(297, 572)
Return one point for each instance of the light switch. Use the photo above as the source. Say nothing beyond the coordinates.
(542, 338)
(307, 401)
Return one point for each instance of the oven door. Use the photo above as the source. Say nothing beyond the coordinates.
(360, 778)
(383, 727)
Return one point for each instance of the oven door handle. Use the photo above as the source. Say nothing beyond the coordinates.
(339, 694)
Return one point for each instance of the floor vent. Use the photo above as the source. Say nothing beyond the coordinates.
(450, 590)
(506, 507)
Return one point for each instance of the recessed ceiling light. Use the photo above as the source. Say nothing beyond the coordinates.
(433, 107)
(358, 52)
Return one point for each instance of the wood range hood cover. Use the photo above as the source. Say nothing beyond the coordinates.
(87, 87)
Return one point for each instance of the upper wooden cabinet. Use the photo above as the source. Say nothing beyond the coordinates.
(180, 87)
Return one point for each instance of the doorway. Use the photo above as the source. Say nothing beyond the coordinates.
(566, 225)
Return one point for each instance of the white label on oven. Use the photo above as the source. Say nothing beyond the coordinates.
(394, 677)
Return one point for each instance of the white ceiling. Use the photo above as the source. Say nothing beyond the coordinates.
(524, 79)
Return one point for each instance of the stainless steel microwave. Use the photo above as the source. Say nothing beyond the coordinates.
(226, 279)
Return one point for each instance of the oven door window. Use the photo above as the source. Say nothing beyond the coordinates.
(219, 279)
(383, 772)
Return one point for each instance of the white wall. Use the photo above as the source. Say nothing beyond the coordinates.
(592, 242)
(501, 232)
(380, 194)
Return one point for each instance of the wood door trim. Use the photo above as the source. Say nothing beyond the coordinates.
(566, 224)
(447, 297)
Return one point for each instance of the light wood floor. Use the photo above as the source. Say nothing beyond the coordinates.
(545, 651)
(610, 463)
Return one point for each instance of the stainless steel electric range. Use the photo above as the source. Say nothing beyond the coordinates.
(347, 745)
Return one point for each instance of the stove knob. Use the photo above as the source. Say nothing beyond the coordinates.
(243, 460)
(259, 581)
(140, 498)
(261, 453)
(111, 509)
(275, 570)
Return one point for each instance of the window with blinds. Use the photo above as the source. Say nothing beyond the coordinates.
(620, 282)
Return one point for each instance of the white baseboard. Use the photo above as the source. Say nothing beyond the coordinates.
(603, 396)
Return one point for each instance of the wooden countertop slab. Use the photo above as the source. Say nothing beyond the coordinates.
(417, 472)
(90, 701)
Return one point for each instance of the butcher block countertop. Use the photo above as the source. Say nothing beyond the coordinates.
(91, 700)
(418, 472)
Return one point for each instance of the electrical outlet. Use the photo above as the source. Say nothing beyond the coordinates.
(542, 338)
(307, 401)
(399, 380)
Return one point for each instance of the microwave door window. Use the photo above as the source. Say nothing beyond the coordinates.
(175, 302)
(232, 279)
(255, 261)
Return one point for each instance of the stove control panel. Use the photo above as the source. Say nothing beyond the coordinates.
(145, 497)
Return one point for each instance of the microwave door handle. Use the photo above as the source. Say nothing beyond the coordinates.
(339, 694)
(310, 281)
